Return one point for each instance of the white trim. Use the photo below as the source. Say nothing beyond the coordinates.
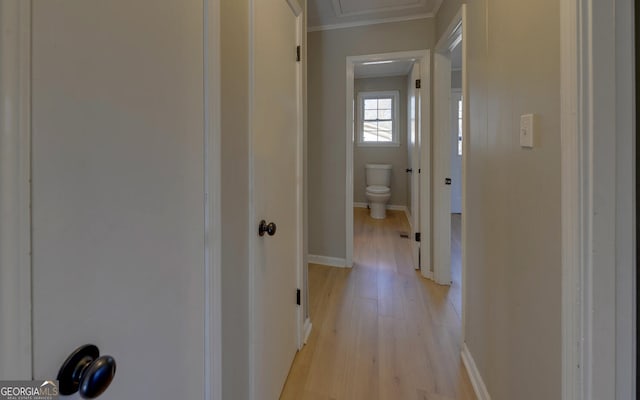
(307, 329)
(300, 181)
(466, 138)
(571, 218)
(479, 388)
(369, 75)
(15, 190)
(212, 211)
(355, 24)
(337, 8)
(423, 58)
(598, 200)
(295, 7)
(329, 261)
(395, 207)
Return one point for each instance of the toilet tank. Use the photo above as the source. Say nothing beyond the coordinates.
(378, 174)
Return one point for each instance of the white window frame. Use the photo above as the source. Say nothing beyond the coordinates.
(395, 137)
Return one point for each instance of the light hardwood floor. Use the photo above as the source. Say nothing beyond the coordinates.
(380, 331)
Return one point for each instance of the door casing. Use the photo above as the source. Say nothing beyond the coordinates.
(423, 57)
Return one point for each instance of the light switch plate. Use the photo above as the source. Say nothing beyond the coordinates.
(527, 130)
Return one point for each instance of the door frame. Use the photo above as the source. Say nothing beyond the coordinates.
(15, 190)
(424, 131)
(302, 326)
(454, 35)
(300, 179)
(413, 123)
(15, 194)
(598, 198)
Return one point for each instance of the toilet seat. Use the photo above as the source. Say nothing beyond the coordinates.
(375, 189)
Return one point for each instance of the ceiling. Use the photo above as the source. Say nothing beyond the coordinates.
(395, 68)
(333, 14)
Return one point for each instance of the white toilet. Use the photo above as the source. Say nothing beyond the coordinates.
(378, 179)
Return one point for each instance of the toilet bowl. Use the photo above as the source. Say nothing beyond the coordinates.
(378, 192)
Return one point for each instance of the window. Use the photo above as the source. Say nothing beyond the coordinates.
(378, 119)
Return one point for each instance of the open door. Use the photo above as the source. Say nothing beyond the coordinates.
(274, 142)
(442, 169)
(118, 172)
(413, 157)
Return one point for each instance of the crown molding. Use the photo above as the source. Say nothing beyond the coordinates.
(355, 24)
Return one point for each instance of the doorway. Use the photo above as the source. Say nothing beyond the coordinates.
(414, 171)
(450, 133)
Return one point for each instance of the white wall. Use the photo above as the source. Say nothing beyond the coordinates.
(327, 53)
(394, 155)
(513, 294)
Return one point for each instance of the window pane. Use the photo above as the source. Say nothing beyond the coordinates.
(370, 104)
(384, 114)
(370, 132)
(384, 103)
(370, 114)
(385, 131)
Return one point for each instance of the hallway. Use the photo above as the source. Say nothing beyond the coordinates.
(380, 331)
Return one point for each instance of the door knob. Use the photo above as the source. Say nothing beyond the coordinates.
(269, 228)
(409, 170)
(86, 372)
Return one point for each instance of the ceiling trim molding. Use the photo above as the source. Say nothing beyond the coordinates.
(379, 75)
(356, 24)
(437, 7)
(337, 8)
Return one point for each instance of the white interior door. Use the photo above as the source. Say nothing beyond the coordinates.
(442, 169)
(118, 209)
(274, 143)
(414, 161)
(456, 155)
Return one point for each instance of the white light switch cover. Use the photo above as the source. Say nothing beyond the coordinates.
(527, 129)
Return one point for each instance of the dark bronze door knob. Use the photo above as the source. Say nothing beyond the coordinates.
(86, 372)
(269, 228)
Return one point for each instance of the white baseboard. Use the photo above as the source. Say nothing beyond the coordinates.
(474, 375)
(407, 214)
(307, 329)
(324, 260)
(389, 207)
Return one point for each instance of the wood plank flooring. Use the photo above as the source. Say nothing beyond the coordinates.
(380, 331)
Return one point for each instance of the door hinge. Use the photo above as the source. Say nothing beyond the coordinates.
(417, 236)
(298, 296)
(297, 53)
(418, 83)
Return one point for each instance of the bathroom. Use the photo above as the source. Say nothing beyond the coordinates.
(392, 148)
